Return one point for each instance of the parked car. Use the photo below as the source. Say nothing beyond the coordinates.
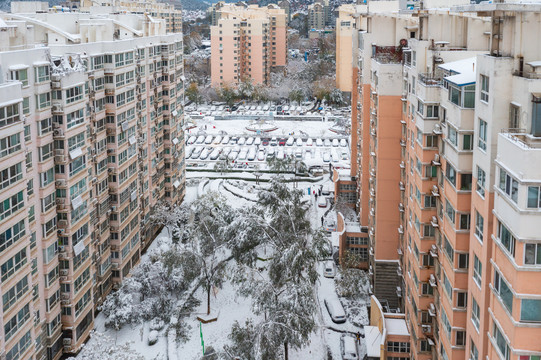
(215, 154)
(309, 142)
(282, 142)
(299, 142)
(335, 142)
(251, 154)
(265, 142)
(196, 152)
(250, 141)
(217, 140)
(319, 142)
(298, 154)
(225, 140)
(188, 152)
(208, 139)
(327, 142)
(204, 154)
(274, 141)
(200, 139)
(241, 141)
(191, 140)
(326, 157)
(343, 143)
(329, 271)
(336, 311)
(322, 201)
(257, 141)
(290, 141)
(348, 347)
(261, 155)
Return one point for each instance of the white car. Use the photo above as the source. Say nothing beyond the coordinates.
(326, 157)
(250, 141)
(257, 141)
(335, 142)
(191, 140)
(225, 140)
(280, 154)
(233, 155)
(319, 142)
(329, 271)
(335, 158)
(298, 154)
(196, 152)
(348, 347)
(251, 154)
(208, 139)
(290, 141)
(242, 155)
(200, 139)
(336, 311)
(343, 143)
(225, 153)
(261, 155)
(241, 141)
(322, 202)
(204, 154)
(299, 142)
(215, 154)
(188, 152)
(309, 142)
(217, 140)
(327, 142)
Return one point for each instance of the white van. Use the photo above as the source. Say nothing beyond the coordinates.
(348, 348)
(336, 311)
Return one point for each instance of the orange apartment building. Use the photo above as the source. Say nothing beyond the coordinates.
(247, 42)
(468, 133)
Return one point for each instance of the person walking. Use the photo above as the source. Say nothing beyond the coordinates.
(358, 337)
(322, 220)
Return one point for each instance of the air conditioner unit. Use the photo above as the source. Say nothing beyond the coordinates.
(436, 160)
(114, 265)
(56, 84)
(435, 190)
(437, 129)
(426, 329)
(57, 108)
(58, 132)
(59, 158)
(64, 272)
(66, 341)
(65, 296)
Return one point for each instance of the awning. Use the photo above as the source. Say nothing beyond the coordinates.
(461, 79)
(78, 201)
(534, 64)
(124, 126)
(132, 140)
(74, 154)
(78, 248)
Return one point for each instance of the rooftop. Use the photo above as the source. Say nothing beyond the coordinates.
(462, 71)
(372, 338)
(396, 326)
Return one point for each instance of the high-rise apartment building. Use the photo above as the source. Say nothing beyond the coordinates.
(91, 138)
(319, 15)
(446, 122)
(345, 29)
(247, 42)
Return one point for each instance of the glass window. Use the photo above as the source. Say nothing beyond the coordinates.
(508, 185)
(482, 143)
(532, 254)
(534, 196)
(481, 179)
(530, 310)
(484, 88)
(477, 270)
(475, 313)
(504, 290)
(501, 343)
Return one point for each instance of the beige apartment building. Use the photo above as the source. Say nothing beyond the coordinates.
(91, 139)
(319, 15)
(461, 88)
(247, 43)
(159, 10)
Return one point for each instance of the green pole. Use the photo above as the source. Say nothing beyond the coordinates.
(201, 335)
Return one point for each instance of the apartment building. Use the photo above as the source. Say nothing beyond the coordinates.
(319, 15)
(467, 87)
(247, 43)
(159, 10)
(91, 139)
(345, 29)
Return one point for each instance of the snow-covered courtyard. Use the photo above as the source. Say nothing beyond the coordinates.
(229, 305)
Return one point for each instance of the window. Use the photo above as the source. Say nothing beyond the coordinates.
(477, 270)
(75, 118)
(514, 116)
(10, 175)
(45, 126)
(445, 324)
(13, 264)
(10, 144)
(431, 141)
(467, 142)
(506, 239)
(10, 205)
(74, 94)
(42, 74)
(9, 115)
(463, 96)
(475, 313)
(461, 299)
(481, 179)
(396, 346)
(431, 171)
(16, 322)
(26, 105)
(80, 234)
(532, 254)
(77, 165)
(450, 211)
(463, 261)
(484, 88)
(76, 141)
(465, 182)
(449, 251)
(460, 338)
(534, 196)
(15, 293)
(452, 135)
(474, 353)
(530, 310)
(509, 185)
(43, 100)
(504, 290)
(501, 343)
(450, 174)
(447, 286)
(11, 235)
(21, 75)
(482, 143)
(479, 225)
(46, 177)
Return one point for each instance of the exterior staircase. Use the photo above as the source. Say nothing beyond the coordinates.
(386, 281)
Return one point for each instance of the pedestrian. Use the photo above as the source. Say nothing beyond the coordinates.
(322, 220)
(319, 191)
(315, 195)
(358, 336)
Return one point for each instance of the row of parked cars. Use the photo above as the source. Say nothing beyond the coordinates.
(274, 141)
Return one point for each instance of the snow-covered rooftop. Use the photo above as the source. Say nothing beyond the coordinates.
(396, 326)
(463, 70)
(353, 227)
(372, 338)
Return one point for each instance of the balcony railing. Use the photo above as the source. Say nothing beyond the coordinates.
(387, 54)
(430, 79)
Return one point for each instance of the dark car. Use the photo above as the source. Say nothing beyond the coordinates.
(265, 142)
(282, 142)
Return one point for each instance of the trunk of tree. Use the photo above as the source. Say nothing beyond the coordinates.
(285, 351)
(208, 300)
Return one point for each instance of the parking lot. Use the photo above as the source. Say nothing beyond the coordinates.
(201, 149)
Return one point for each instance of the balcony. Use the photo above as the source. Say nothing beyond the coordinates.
(387, 54)
(428, 79)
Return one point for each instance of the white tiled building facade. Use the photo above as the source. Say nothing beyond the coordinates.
(91, 139)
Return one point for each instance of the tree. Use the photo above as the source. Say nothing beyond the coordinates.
(281, 287)
(296, 95)
(352, 281)
(103, 347)
(163, 214)
(227, 94)
(223, 166)
(208, 235)
(193, 94)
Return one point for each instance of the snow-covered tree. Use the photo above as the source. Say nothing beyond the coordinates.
(103, 347)
(223, 166)
(281, 286)
(163, 214)
(352, 282)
